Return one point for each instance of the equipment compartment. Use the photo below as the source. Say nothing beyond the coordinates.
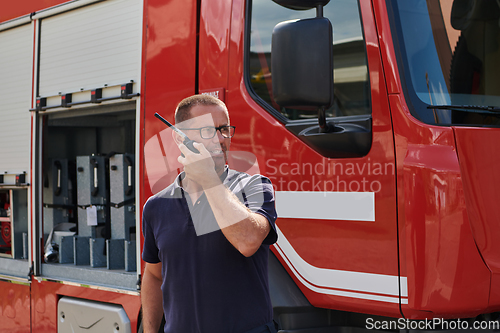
(89, 219)
(14, 230)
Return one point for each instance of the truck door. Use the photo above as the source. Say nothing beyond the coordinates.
(16, 47)
(87, 84)
(335, 192)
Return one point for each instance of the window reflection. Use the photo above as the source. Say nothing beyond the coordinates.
(351, 89)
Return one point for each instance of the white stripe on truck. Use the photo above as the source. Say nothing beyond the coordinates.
(342, 283)
(350, 206)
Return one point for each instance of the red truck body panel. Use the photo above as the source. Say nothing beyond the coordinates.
(479, 160)
(445, 271)
(15, 307)
(12, 10)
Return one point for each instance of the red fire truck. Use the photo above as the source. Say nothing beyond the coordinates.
(377, 121)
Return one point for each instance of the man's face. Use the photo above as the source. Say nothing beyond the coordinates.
(210, 115)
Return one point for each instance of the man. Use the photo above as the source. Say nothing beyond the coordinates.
(208, 281)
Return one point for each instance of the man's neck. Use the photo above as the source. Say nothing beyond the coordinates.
(193, 188)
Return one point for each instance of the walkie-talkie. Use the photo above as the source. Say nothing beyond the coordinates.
(186, 141)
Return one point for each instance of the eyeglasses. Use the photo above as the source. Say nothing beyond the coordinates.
(208, 132)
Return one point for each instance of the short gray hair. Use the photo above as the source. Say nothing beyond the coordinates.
(182, 113)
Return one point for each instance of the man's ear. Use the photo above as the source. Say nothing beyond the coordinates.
(177, 138)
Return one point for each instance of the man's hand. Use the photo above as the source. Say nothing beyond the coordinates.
(199, 168)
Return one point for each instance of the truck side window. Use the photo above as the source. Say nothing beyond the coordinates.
(351, 87)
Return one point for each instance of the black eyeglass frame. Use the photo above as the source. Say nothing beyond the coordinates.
(216, 129)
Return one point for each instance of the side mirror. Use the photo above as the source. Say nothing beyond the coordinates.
(302, 78)
(302, 63)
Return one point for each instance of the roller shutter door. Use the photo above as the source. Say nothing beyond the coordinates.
(90, 47)
(16, 52)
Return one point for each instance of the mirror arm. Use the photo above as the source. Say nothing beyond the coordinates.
(319, 10)
(324, 127)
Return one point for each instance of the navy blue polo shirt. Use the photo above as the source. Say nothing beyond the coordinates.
(208, 285)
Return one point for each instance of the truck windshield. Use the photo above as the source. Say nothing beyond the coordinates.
(450, 55)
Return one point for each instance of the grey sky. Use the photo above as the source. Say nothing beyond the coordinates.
(343, 14)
